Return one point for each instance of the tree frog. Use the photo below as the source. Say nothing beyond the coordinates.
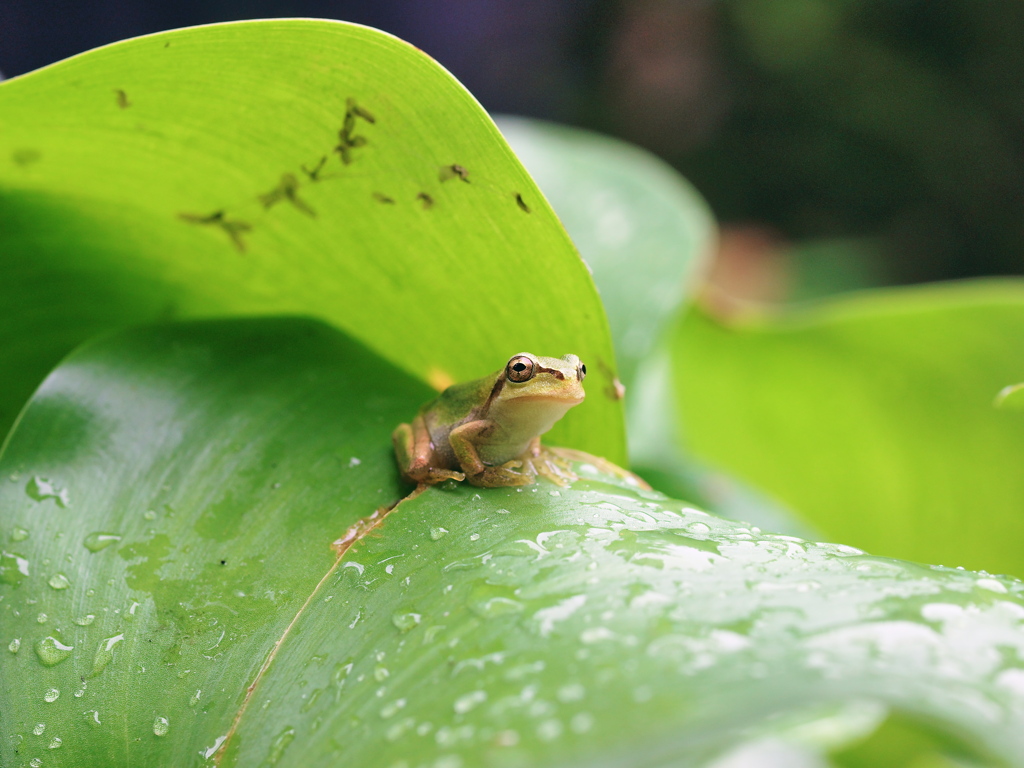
(488, 431)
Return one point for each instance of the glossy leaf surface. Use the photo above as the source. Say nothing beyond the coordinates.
(283, 166)
(170, 595)
(873, 417)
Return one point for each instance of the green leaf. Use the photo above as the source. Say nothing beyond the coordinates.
(645, 233)
(1011, 398)
(872, 417)
(170, 496)
(200, 172)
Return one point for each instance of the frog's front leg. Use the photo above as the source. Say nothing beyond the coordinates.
(463, 441)
(415, 454)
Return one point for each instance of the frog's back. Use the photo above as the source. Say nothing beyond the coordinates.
(456, 405)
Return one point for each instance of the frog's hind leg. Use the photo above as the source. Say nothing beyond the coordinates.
(479, 474)
(413, 452)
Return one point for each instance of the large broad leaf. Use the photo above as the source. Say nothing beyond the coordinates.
(873, 417)
(275, 167)
(169, 593)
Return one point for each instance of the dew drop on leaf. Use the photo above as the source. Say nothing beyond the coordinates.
(280, 744)
(96, 541)
(52, 651)
(406, 620)
(59, 581)
(13, 568)
(161, 726)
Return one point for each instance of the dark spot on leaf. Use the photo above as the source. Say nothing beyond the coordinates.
(522, 203)
(346, 140)
(223, 562)
(167, 45)
(314, 175)
(453, 171)
(380, 197)
(25, 157)
(356, 111)
(428, 201)
(287, 189)
(346, 155)
(122, 99)
(234, 229)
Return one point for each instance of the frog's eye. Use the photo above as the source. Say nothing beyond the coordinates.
(583, 371)
(519, 369)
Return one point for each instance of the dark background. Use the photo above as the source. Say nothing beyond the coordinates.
(841, 143)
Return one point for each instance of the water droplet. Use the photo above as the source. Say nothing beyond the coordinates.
(38, 730)
(39, 488)
(469, 701)
(549, 730)
(92, 717)
(698, 528)
(496, 606)
(280, 744)
(341, 672)
(581, 722)
(94, 542)
(59, 581)
(571, 692)
(354, 462)
(195, 697)
(51, 695)
(150, 514)
(406, 621)
(52, 651)
(35, 762)
(211, 750)
(161, 726)
(438, 533)
(19, 534)
(359, 568)
(992, 585)
(390, 710)
(105, 653)
(14, 645)
(85, 621)
(13, 568)
(381, 673)
(42, 618)
(55, 743)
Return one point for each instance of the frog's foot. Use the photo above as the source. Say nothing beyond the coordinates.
(570, 455)
(432, 475)
(503, 476)
(546, 462)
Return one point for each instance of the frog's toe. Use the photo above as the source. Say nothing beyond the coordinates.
(432, 475)
(499, 477)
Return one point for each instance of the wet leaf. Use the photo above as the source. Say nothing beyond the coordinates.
(595, 625)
